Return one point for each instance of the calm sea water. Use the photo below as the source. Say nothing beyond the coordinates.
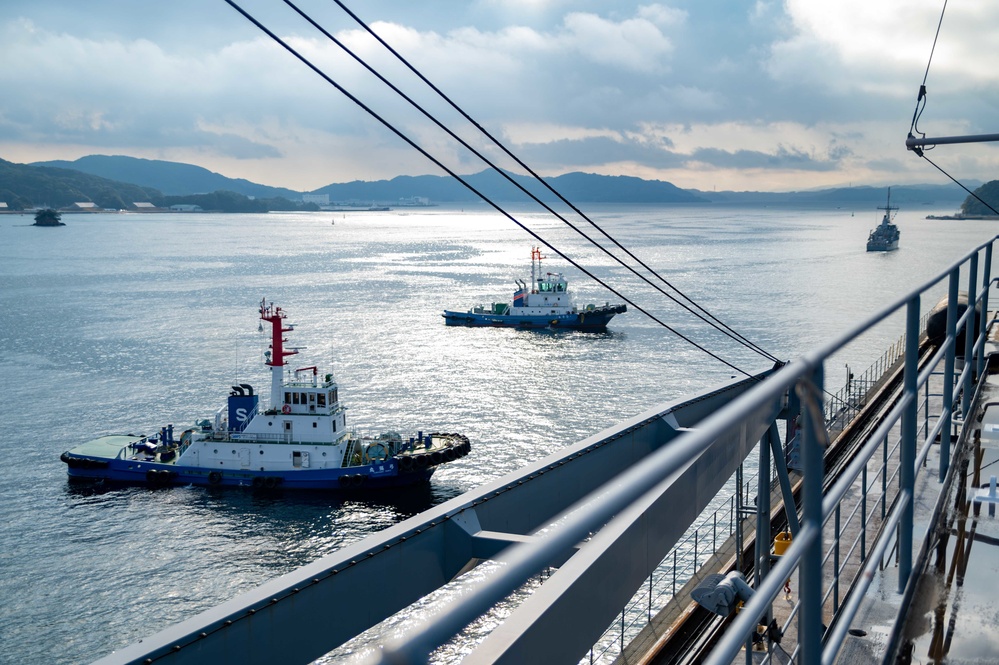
(123, 323)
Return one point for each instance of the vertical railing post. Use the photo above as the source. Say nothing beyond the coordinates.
(863, 515)
(762, 565)
(836, 535)
(907, 457)
(884, 477)
(739, 509)
(948, 386)
(969, 337)
(983, 324)
(810, 571)
(926, 411)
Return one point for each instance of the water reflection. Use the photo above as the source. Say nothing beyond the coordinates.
(960, 590)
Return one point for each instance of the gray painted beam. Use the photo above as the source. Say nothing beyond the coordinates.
(316, 608)
(583, 597)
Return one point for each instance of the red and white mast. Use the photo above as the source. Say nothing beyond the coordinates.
(275, 358)
(535, 271)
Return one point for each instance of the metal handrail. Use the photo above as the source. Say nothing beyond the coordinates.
(746, 622)
(524, 560)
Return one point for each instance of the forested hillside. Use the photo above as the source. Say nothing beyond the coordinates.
(23, 186)
(989, 193)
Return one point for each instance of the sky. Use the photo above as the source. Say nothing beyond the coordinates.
(706, 94)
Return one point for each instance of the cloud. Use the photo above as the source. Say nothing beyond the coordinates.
(782, 158)
(801, 88)
(660, 152)
(635, 44)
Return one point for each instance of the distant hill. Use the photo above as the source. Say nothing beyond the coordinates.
(989, 193)
(175, 178)
(910, 195)
(576, 187)
(178, 179)
(171, 178)
(23, 186)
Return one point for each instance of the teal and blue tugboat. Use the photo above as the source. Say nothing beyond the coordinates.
(884, 238)
(544, 303)
(299, 440)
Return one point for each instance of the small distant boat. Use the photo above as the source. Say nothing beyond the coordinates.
(884, 238)
(299, 440)
(543, 304)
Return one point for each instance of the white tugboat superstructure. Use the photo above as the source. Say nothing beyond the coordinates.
(298, 440)
(544, 303)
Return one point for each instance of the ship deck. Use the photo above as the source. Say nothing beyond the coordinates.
(106, 446)
(953, 611)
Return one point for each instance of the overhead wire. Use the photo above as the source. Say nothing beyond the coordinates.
(469, 186)
(959, 184)
(921, 96)
(920, 107)
(702, 314)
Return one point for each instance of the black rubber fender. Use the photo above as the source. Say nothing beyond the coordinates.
(157, 477)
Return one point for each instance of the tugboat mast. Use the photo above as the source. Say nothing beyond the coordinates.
(275, 358)
(535, 268)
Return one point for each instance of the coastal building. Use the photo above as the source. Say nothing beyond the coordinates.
(319, 199)
(185, 207)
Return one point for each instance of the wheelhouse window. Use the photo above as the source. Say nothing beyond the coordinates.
(321, 400)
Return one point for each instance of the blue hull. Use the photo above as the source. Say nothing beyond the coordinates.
(154, 474)
(596, 319)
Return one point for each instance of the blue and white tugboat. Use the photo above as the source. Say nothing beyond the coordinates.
(545, 303)
(299, 440)
(884, 237)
